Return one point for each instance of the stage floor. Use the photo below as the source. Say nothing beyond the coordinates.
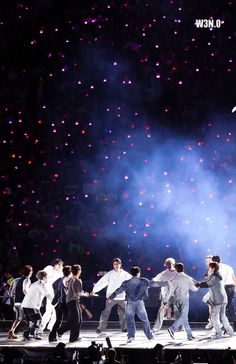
(118, 339)
(141, 347)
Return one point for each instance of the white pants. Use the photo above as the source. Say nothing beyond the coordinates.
(49, 316)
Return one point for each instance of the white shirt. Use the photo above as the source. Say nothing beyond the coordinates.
(165, 276)
(112, 280)
(227, 273)
(34, 297)
(52, 276)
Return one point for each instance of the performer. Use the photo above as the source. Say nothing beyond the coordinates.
(112, 280)
(75, 291)
(181, 284)
(206, 296)
(54, 272)
(166, 305)
(18, 290)
(229, 281)
(217, 300)
(60, 287)
(31, 305)
(136, 289)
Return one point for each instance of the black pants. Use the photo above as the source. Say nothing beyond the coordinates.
(61, 310)
(34, 319)
(73, 322)
(230, 306)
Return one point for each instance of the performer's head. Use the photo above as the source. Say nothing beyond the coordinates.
(27, 271)
(213, 267)
(135, 271)
(66, 270)
(216, 258)
(170, 263)
(57, 264)
(117, 263)
(42, 275)
(76, 270)
(179, 267)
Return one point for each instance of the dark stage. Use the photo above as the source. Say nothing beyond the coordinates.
(162, 349)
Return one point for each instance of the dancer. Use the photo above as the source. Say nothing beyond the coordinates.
(18, 290)
(54, 272)
(136, 289)
(205, 298)
(75, 291)
(166, 305)
(181, 284)
(31, 305)
(229, 281)
(217, 300)
(112, 280)
(60, 287)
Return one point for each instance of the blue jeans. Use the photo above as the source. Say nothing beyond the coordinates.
(183, 308)
(138, 308)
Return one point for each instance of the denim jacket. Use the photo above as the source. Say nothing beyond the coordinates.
(136, 288)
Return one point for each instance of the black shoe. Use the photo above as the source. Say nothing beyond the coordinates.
(171, 332)
(124, 330)
(74, 340)
(98, 331)
(51, 339)
(37, 337)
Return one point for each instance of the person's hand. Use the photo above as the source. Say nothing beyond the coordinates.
(93, 294)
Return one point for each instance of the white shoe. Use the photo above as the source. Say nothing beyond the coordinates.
(129, 340)
(209, 326)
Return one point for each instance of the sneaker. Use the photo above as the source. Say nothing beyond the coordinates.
(124, 330)
(129, 340)
(191, 338)
(171, 332)
(37, 337)
(209, 326)
(155, 329)
(98, 331)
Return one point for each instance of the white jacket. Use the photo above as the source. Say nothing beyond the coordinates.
(112, 280)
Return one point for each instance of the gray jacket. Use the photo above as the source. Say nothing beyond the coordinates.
(217, 293)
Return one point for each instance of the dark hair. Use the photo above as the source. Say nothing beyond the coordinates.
(27, 269)
(75, 269)
(57, 261)
(111, 353)
(66, 270)
(216, 258)
(179, 267)
(118, 260)
(215, 266)
(41, 274)
(134, 271)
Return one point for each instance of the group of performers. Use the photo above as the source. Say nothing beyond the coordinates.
(62, 287)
